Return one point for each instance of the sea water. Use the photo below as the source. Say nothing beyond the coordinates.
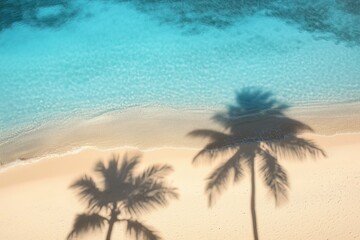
(111, 55)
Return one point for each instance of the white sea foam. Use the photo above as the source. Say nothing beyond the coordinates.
(22, 162)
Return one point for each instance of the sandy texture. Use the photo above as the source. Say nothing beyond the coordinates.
(149, 127)
(36, 202)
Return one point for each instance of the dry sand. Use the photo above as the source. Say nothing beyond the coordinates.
(324, 199)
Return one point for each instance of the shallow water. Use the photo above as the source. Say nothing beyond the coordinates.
(109, 56)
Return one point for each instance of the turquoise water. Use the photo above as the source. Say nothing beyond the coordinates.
(111, 55)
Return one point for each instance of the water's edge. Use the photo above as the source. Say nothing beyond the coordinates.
(149, 128)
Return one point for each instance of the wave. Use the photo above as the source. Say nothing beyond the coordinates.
(150, 127)
(22, 162)
(74, 151)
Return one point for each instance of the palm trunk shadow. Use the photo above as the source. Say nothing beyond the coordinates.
(125, 194)
(252, 205)
(255, 128)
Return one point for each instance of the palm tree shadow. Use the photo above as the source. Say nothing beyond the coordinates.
(256, 129)
(122, 195)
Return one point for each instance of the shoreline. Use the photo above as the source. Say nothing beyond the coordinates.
(147, 128)
(338, 139)
(23, 162)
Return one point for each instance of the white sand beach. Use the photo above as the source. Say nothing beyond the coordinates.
(36, 202)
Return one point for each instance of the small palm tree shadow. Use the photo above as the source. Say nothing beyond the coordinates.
(123, 195)
(256, 129)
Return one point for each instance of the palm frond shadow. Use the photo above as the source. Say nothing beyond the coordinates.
(122, 196)
(256, 129)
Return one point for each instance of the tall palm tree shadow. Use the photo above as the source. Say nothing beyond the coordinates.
(122, 196)
(256, 129)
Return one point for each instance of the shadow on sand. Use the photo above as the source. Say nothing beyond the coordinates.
(256, 131)
(123, 195)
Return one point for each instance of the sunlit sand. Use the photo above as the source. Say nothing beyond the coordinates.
(322, 198)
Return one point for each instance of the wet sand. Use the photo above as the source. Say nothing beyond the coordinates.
(150, 127)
